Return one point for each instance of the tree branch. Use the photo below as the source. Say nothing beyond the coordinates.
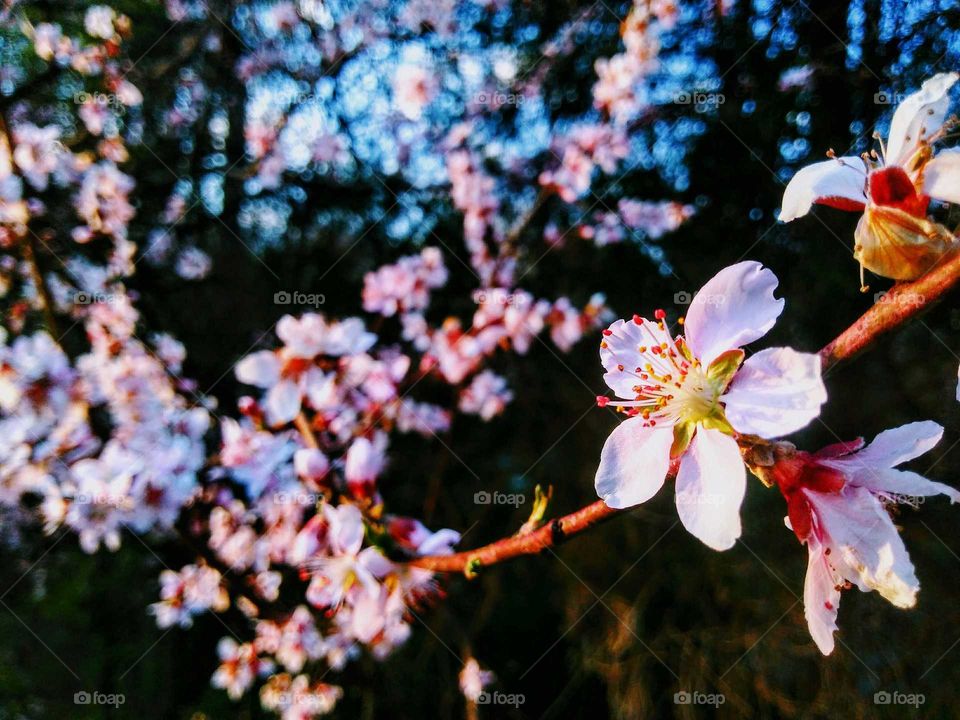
(904, 302)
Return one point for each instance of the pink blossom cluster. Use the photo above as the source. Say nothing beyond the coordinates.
(652, 219)
(405, 286)
(285, 493)
(618, 92)
(584, 149)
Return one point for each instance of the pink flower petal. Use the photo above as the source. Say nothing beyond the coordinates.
(838, 182)
(633, 463)
(710, 488)
(776, 392)
(734, 308)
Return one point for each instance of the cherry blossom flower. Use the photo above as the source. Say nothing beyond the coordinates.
(297, 698)
(239, 667)
(474, 680)
(98, 21)
(894, 237)
(689, 396)
(47, 40)
(414, 537)
(292, 642)
(365, 461)
(345, 568)
(187, 593)
(413, 89)
(289, 373)
(404, 287)
(486, 396)
(837, 503)
(37, 152)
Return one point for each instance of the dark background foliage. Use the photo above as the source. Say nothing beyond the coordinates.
(617, 621)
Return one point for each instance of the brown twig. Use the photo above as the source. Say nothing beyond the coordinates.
(552, 533)
(904, 302)
(303, 426)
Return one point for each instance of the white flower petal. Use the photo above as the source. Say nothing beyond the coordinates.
(261, 369)
(621, 357)
(838, 182)
(821, 599)
(710, 488)
(903, 483)
(633, 463)
(897, 445)
(734, 308)
(283, 402)
(941, 176)
(867, 549)
(775, 392)
(918, 116)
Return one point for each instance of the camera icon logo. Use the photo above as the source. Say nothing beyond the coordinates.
(482, 498)
(682, 698)
(282, 298)
(82, 698)
(484, 698)
(682, 298)
(682, 98)
(882, 98)
(882, 698)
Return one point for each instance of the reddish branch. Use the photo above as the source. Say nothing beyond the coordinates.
(552, 533)
(904, 302)
(895, 308)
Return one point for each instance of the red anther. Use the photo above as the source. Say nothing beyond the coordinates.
(608, 332)
(620, 368)
(659, 314)
(638, 320)
(602, 400)
(828, 605)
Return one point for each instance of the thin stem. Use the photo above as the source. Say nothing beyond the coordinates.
(43, 292)
(303, 426)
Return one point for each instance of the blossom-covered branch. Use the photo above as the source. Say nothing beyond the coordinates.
(894, 309)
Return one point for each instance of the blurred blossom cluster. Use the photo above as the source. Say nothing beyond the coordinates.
(433, 126)
(101, 431)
